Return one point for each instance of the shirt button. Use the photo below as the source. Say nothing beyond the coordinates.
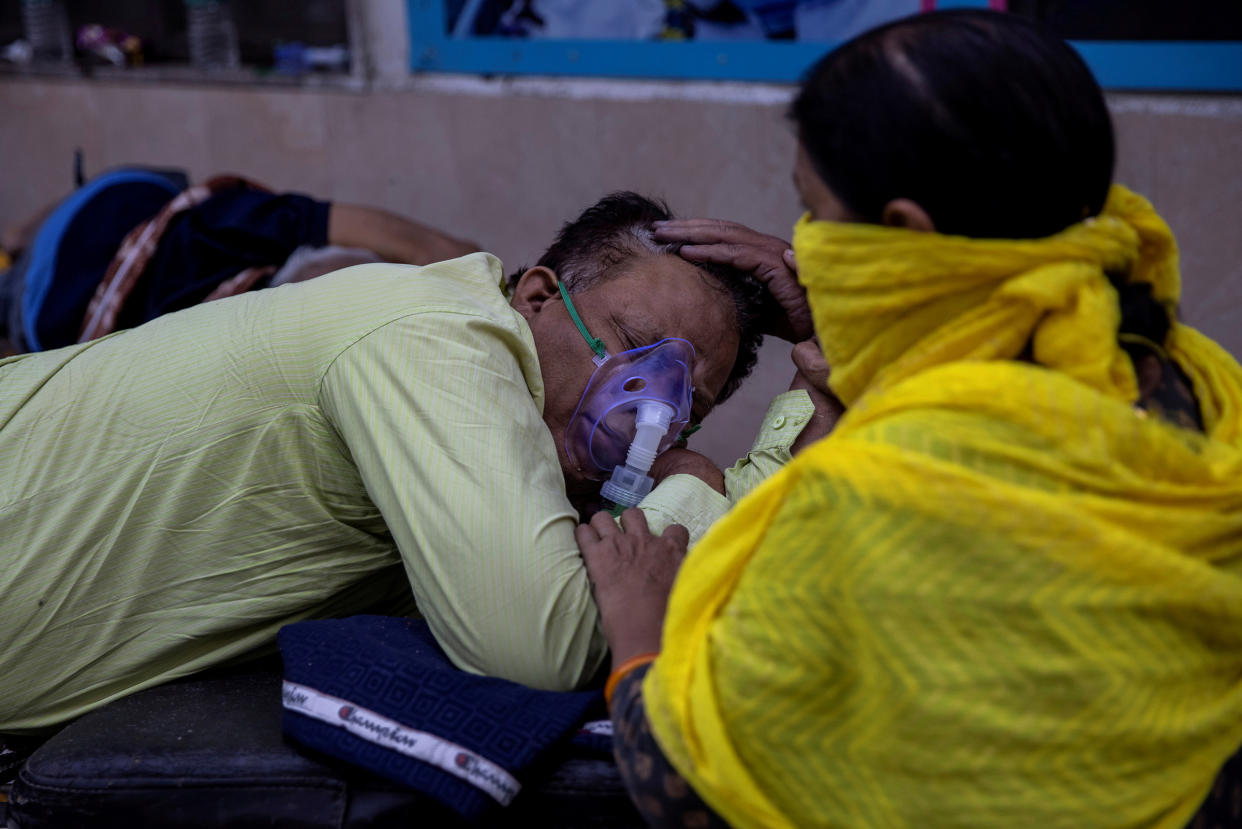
(778, 421)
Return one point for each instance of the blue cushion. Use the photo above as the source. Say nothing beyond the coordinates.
(378, 692)
(75, 245)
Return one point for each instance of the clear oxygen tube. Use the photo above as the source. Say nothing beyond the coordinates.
(630, 482)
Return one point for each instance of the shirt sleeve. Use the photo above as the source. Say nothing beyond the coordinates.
(787, 414)
(686, 500)
(662, 796)
(454, 452)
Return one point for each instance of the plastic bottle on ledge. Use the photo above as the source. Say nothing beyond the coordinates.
(46, 28)
(212, 35)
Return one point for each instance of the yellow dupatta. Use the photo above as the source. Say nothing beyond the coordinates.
(996, 594)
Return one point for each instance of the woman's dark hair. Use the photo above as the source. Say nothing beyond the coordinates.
(990, 123)
(616, 229)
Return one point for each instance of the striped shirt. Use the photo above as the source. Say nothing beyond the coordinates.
(171, 495)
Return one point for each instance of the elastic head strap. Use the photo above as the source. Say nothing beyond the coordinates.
(596, 344)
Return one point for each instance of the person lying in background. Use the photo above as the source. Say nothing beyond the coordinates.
(1006, 589)
(132, 244)
(387, 435)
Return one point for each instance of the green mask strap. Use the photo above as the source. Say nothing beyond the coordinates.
(596, 344)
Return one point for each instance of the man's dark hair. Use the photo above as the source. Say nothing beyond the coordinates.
(988, 121)
(598, 244)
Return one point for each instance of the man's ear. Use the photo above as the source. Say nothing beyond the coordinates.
(535, 287)
(908, 214)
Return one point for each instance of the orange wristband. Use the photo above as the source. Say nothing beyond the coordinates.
(625, 669)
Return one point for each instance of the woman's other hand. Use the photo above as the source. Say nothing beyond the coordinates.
(812, 376)
(631, 572)
(768, 258)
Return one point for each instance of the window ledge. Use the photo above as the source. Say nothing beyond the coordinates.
(173, 73)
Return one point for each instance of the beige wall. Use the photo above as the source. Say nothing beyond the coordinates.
(506, 162)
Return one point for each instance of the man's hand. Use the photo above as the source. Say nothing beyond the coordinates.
(812, 376)
(631, 572)
(768, 258)
(677, 461)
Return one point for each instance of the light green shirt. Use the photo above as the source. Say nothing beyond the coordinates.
(172, 495)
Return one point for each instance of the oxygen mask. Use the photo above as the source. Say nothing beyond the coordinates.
(633, 408)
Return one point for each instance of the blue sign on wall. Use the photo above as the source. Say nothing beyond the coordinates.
(768, 41)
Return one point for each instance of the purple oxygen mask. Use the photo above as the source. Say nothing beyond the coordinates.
(605, 423)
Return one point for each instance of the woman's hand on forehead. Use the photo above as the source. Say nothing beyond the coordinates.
(768, 258)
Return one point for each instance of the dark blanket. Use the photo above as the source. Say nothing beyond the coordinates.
(377, 692)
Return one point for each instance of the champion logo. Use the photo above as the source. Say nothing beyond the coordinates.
(390, 734)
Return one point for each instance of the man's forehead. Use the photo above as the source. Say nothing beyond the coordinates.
(664, 292)
(650, 272)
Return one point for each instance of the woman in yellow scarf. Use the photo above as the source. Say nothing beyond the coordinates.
(1007, 588)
